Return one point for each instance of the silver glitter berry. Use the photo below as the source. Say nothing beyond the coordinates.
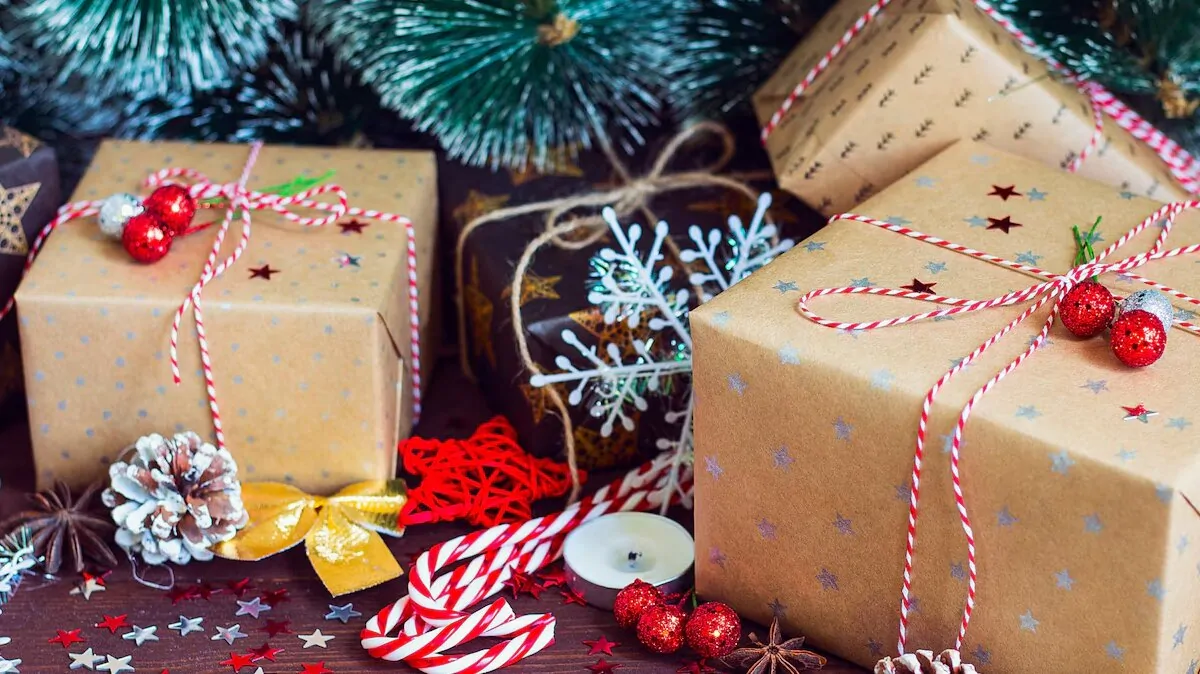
(1152, 301)
(115, 211)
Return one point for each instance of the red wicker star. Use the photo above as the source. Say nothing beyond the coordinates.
(318, 668)
(600, 646)
(570, 596)
(603, 666)
(67, 638)
(277, 627)
(237, 661)
(486, 479)
(523, 582)
(112, 624)
(273, 598)
(265, 652)
(1004, 191)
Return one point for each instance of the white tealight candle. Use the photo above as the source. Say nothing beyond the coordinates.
(604, 555)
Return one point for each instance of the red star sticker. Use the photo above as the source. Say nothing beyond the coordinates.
(570, 596)
(240, 587)
(1004, 192)
(277, 627)
(694, 667)
(356, 226)
(113, 624)
(1004, 224)
(318, 668)
(181, 593)
(275, 597)
(264, 272)
(601, 645)
(67, 638)
(919, 286)
(237, 661)
(523, 582)
(603, 666)
(554, 577)
(265, 652)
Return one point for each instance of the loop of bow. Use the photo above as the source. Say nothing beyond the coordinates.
(1052, 289)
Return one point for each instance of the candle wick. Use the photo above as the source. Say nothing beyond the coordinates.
(633, 556)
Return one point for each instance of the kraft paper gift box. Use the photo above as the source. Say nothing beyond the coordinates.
(1083, 507)
(922, 75)
(309, 331)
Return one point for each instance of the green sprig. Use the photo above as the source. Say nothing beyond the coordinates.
(1084, 252)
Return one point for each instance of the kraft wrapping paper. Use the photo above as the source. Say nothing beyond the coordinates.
(922, 75)
(1088, 539)
(311, 364)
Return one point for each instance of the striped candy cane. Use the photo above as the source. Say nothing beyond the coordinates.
(435, 617)
(1050, 290)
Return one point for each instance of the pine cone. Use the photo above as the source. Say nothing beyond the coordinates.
(172, 499)
(923, 662)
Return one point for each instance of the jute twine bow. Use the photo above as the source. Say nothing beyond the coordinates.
(575, 232)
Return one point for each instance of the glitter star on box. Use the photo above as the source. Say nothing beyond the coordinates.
(1004, 224)
(919, 287)
(353, 227)
(1004, 192)
(347, 260)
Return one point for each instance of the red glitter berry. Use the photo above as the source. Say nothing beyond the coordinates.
(1087, 309)
(173, 206)
(713, 630)
(661, 628)
(633, 601)
(1138, 338)
(145, 239)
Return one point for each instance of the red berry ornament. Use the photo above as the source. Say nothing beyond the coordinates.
(713, 630)
(1087, 309)
(145, 239)
(661, 628)
(633, 601)
(173, 206)
(1138, 338)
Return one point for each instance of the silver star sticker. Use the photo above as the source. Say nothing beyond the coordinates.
(343, 613)
(140, 635)
(251, 608)
(229, 634)
(187, 625)
(315, 639)
(116, 665)
(86, 588)
(1064, 580)
(84, 660)
(1028, 622)
(8, 666)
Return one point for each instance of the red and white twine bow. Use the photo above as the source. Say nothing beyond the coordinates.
(239, 201)
(434, 616)
(1052, 289)
(1182, 165)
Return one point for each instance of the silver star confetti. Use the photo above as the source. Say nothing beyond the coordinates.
(116, 665)
(343, 613)
(228, 634)
(186, 625)
(87, 587)
(140, 635)
(10, 666)
(315, 639)
(84, 660)
(251, 608)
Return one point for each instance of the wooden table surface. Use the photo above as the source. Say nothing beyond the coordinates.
(38, 610)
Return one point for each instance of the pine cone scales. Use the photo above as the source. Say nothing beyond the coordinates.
(173, 499)
(924, 662)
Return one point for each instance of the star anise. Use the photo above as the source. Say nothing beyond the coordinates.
(775, 656)
(61, 524)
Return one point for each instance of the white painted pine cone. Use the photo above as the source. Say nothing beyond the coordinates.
(924, 662)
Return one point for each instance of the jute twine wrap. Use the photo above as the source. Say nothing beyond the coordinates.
(575, 232)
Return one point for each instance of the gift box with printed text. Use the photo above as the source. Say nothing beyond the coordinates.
(1080, 475)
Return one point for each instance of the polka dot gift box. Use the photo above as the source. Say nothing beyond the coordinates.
(309, 338)
(1055, 530)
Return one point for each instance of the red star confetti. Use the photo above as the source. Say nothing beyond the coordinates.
(90, 583)
(694, 667)
(318, 668)
(240, 587)
(264, 272)
(523, 582)
(1139, 413)
(553, 577)
(273, 598)
(277, 627)
(601, 645)
(1004, 192)
(1003, 224)
(237, 661)
(354, 226)
(205, 591)
(112, 624)
(67, 638)
(265, 652)
(181, 593)
(603, 666)
(919, 287)
(570, 596)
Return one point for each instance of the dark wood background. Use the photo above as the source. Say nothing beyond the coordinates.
(39, 609)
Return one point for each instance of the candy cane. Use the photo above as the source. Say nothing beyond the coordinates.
(432, 617)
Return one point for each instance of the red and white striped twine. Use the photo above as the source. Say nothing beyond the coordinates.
(434, 616)
(1183, 166)
(1051, 290)
(241, 201)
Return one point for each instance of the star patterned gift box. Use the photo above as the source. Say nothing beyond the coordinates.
(308, 331)
(921, 75)
(29, 196)
(1080, 474)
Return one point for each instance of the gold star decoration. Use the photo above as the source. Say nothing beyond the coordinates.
(15, 139)
(618, 333)
(534, 287)
(479, 313)
(596, 451)
(561, 162)
(538, 397)
(477, 204)
(14, 203)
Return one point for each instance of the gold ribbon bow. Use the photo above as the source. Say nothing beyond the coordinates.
(340, 532)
